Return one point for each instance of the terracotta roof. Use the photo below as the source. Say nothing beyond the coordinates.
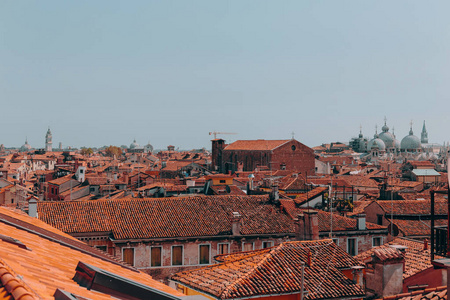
(359, 207)
(48, 261)
(97, 180)
(438, 293)
(416, 258)
(340, 223)
(302, 198)
(417, 227)
(413, 207)
(277, 270)
(61, 180)
(166, 217)
(12, 285)
(259, 145)
(292, 182)
(359, 181)
(387, 253)
(226, 190)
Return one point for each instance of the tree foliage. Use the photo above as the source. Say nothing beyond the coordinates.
(87, 151)
(113, 151)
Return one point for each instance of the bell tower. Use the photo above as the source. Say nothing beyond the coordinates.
(48, 141)
(424, 135)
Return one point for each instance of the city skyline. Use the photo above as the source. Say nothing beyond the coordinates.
(106, 73)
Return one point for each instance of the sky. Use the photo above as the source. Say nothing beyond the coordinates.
(169, 72)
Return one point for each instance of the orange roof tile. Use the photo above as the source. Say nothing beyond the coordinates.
(276, 271)
(48, 261)
(416, 258)
(166, 217)
(260, 145)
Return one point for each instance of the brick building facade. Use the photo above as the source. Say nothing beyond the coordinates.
(249, 155)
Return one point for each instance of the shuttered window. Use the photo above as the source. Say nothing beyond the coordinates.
(177, 255)
(224, 248)
(156, 256)
(247, 246)
(128, 256)
(204, 254)
(352, 246)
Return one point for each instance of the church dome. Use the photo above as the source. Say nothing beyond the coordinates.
(25, 147)
(134, 144)
(376, 143)
(397, 144)
(410, 142)
(148, 147)
(387, 137)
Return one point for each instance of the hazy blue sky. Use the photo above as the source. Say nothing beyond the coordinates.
(168, 72)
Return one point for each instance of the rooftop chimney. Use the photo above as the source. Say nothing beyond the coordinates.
(425, 244)
(32, 208)
(311, 225)
(361, 222)
(299, 223)
(236, 223)
(274, 194)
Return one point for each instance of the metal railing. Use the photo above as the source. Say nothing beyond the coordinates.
(440, 240)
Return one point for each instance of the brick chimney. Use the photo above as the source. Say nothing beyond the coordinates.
(358, 275)
(236, 223)
(387, 278)
(299, 224)
(307, 226)
(311, 225)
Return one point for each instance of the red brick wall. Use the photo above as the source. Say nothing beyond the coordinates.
(293, 155)
(296, 156)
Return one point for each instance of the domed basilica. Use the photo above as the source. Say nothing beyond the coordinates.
(385, 146)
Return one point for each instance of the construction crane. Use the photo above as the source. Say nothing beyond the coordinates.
(215, 133)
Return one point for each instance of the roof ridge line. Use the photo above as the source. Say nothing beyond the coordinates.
(14, 290)
(63, 240)
(246, 275)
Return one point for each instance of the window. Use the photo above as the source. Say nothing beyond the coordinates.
(247, 246)
(155, 256)
(336, 241)
(267, 244)
(222, 181)
(224, 248)
(103, 248)
(177, 255)
(352, 246)
(380, 219)
(204, 254)
(377, 241)
(128, 256)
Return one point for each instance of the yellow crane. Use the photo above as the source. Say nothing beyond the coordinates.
(215, 133)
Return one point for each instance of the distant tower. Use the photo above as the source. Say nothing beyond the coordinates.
(424, 135)
(48, 141)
